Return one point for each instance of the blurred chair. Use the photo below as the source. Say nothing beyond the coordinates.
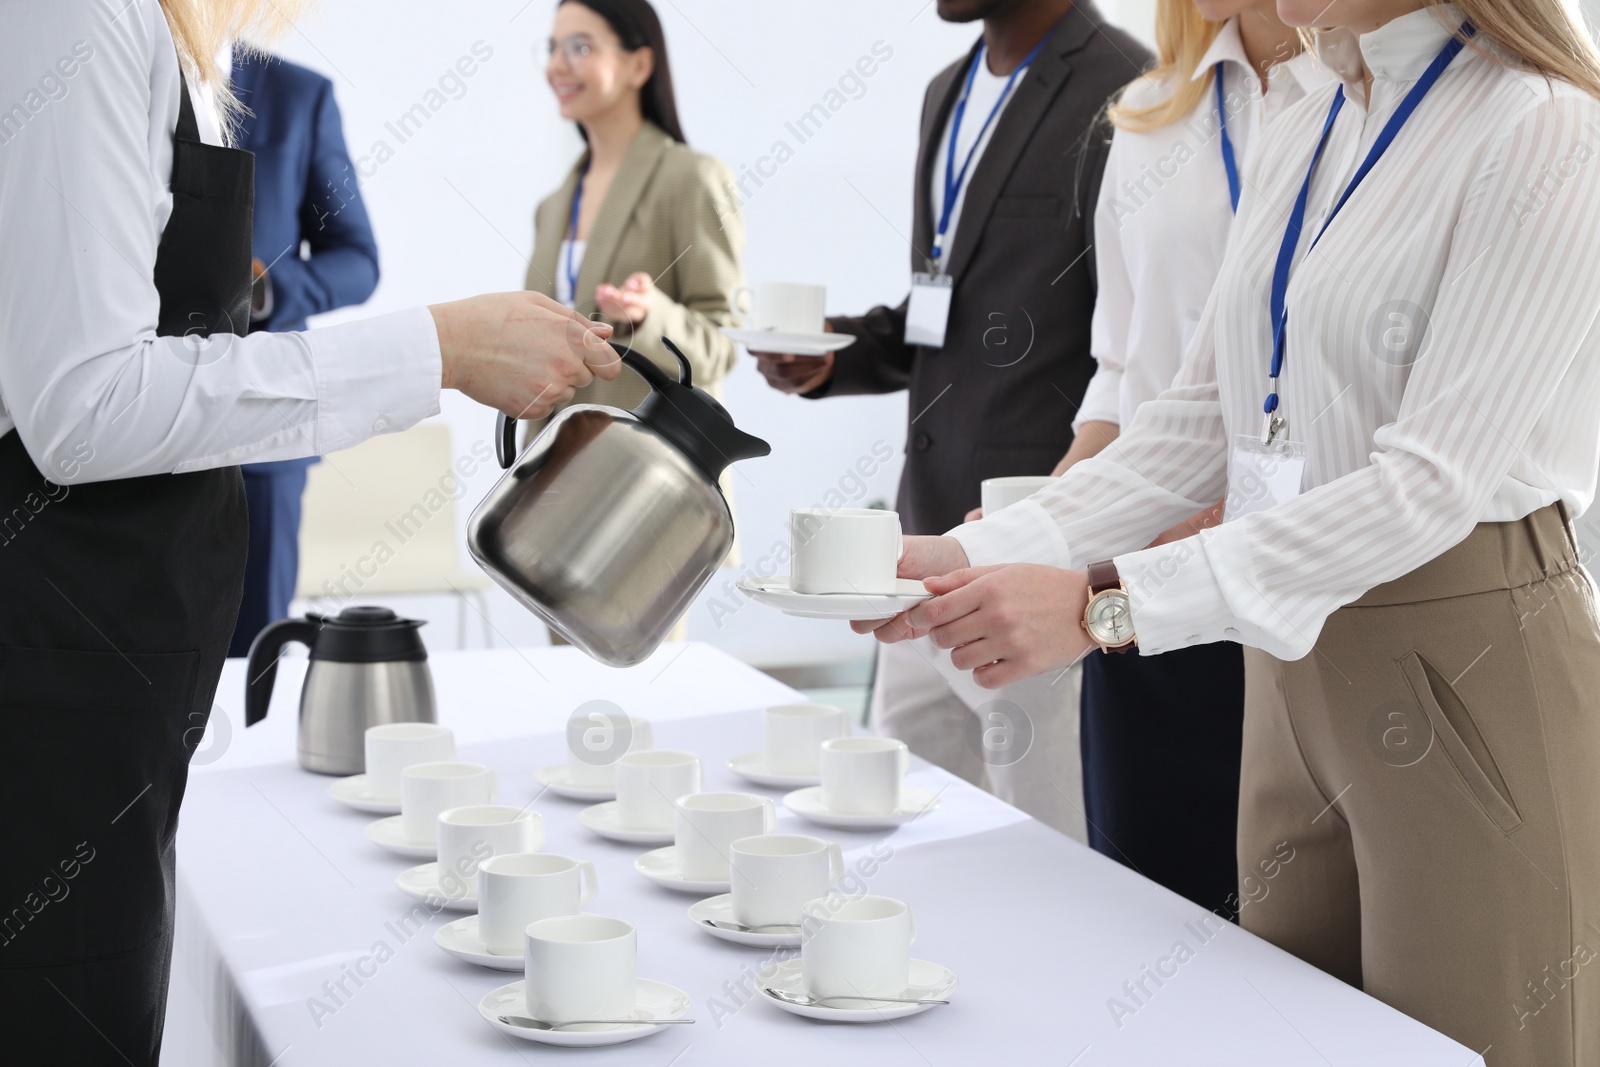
(380, 520)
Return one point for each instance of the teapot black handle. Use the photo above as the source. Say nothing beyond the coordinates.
(505, 440)
(262, 668)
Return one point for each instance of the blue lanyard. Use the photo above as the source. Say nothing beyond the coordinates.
(1291, 235)
(572, 235)
(1229, 164)
(954, 180)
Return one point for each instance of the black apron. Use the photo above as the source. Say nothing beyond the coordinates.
(117, 599)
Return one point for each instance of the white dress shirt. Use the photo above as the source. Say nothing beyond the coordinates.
(1484, 218)
(1162, 221)
(85, 166)
(986, 90)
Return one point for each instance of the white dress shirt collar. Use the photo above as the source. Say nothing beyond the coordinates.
(1302, 69)
(1398, 51)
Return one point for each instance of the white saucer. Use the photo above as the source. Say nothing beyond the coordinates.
(799, 344)
(461, 940)
(807, 803)
(661, 867)
(774, 592)
(752, 767)
(422, 883)
(929, 981)
(720, 909)
(554, 778)
(356, 792)
(602, 819)
(654, 1000)
(390, 833)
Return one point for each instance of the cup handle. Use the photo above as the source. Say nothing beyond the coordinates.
(769, 818)
(835, 862)
(899, 539)
(733, 301)
(913, 917)
(591, 882)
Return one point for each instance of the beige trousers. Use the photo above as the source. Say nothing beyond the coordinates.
(1432, 772)
(1019, 743)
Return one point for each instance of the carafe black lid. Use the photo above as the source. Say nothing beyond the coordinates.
(367, 634)
(690, 417)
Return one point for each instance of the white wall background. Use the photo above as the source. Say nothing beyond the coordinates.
(453, 208)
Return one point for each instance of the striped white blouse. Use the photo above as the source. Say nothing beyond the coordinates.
(1441, 364)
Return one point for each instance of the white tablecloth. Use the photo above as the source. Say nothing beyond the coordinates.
(280, 895)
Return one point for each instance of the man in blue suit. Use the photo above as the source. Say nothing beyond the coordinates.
(314, 252)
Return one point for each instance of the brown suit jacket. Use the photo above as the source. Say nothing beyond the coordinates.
(670, 213)
(999, 397)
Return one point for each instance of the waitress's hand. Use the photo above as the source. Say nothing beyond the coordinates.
(521, 353)
(630, 303)
(922, 557)
(1008, 622)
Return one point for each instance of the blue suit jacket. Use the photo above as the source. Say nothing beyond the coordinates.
(306, 190)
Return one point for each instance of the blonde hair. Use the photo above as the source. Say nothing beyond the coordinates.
(1182, 37)
(1541, 36)
(202, 27)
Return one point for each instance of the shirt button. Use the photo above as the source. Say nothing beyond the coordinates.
(380, 424)
(1231, 632)
(922, 442)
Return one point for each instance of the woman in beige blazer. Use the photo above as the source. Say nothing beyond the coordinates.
(645, 232)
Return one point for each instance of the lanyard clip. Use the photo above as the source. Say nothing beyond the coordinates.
(1272, 425)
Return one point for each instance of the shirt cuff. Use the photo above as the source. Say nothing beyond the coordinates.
(1022, 533)
(1102, 399)
(1176, 599)
(377, 375)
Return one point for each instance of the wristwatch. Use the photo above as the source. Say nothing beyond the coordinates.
(1108, 617)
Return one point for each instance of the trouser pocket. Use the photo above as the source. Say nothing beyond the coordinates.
(1461, 740)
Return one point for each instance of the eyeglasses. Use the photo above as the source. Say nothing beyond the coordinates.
(575, 49)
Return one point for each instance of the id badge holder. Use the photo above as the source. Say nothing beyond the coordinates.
(1262, 475)
(928, 310)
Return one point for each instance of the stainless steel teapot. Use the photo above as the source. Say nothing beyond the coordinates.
(611, 522)
(368, 667)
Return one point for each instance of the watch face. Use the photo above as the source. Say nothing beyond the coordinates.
(1109, 621)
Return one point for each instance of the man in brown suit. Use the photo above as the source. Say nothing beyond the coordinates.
(997, 397)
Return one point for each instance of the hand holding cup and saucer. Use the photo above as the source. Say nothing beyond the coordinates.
(787, 317)
(843, 563)
(863, 786)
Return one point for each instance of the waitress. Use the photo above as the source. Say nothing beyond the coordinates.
(644, 231)
(126, 403)
(1396, 393)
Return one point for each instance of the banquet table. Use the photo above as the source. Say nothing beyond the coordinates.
(1063, 956)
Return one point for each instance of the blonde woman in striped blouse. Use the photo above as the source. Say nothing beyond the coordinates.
(1422, 723)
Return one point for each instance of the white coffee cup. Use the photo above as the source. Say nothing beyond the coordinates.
(649, 784)
(862, 775)
(580, 967)
(519, 888)
(426, 789)
(785, 307)
(843, 550)
(998, 493)
(394, 746)
(773, 876)
(594, 745)
(856, 948)
(471, 834)
(794, 734)
(707, 823)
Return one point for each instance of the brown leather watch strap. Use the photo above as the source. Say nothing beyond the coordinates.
(1102, 576)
